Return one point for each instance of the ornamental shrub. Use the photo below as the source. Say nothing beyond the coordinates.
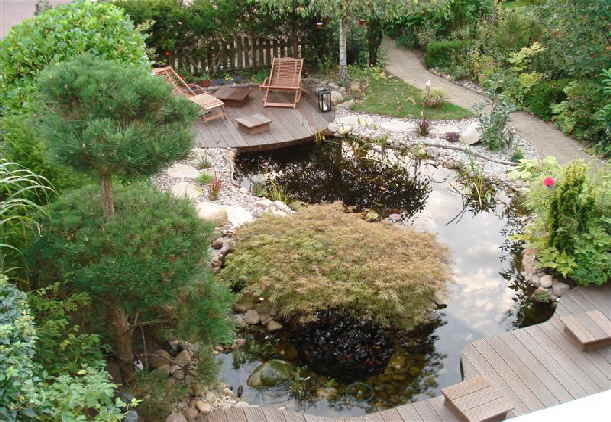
(323, 258)
(571, 231)
(442, 54)
(543, 95)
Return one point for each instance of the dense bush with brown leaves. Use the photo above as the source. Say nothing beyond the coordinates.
(324, 258)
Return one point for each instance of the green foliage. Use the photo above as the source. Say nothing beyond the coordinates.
(67, 31)
(493, 129)
(441, 54)
(20, 192)
(148, 251)
(18, 377)
(543, 95)
(572, 230)
(58, 34)
(577, 114)
(205, 178)
(106, 118)
(324, 258)
(62, 347)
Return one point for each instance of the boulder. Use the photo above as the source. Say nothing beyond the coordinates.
(273, 326)
(212, 212)
(470, 136)
(186, 190)
(183, 358)
(252, 317)
(190, 413)
(546, 281)
(336, 97)
(270, 374)
(163, 370)
(176, 417)
(559, 288)
(242, 404)
(202, 406)
(238, 216)
(183, 171)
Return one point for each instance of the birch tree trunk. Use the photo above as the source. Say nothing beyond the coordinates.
(343, 61)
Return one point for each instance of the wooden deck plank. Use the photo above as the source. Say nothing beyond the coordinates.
(485, 368)
(217, 416)
(391, 415)
(583, 360)
(426, 412)
(273, 415)
(442, 410)
(293, 416)
(515, 379)
(235, 414)
(408, 413)
(254, 414)
(553, 363)
(374, 417)
(543, 379)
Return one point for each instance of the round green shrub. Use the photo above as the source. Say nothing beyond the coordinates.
(323, 258)
(442, 54)
(64, 32)
(541, 97)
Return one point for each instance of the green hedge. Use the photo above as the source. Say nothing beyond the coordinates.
(441, 54)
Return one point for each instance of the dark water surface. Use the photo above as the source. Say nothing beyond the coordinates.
(488, 296)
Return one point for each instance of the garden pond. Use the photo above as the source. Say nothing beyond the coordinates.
(488, 295)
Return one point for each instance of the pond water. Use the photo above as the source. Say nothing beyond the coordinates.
(487, 297)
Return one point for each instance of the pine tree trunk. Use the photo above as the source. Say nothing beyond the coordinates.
(343, 61)
(121, 330)
(374, 39)
(107, 202)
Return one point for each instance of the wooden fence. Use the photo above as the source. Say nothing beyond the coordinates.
(213, 57)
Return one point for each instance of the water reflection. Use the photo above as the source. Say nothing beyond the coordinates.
(488, 296)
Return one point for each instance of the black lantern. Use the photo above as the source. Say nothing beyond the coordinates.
(324, 99)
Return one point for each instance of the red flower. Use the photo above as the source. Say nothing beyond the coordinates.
(549, 182)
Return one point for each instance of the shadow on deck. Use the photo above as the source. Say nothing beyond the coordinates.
(289, 126)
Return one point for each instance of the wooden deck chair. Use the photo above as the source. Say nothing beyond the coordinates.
(285, 76)
(213, 107)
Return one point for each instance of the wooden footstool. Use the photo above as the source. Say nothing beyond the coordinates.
(476, 400)
(257, 123)
(213, 107)
(592, 329)
(235, 96)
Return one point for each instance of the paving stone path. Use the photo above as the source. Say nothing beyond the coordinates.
(546, 138)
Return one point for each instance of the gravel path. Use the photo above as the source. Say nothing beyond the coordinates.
(546, 138)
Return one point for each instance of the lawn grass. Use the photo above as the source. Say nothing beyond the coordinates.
(390, 96)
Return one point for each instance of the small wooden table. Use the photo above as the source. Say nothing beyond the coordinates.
(257, 123)
(213, 107)
(476, 400)
(591, 329)
(235, 96)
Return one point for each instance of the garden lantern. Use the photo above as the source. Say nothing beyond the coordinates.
(324, 99)
(319, 25)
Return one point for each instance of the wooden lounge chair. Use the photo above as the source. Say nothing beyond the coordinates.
(285, 76)
(213, 107)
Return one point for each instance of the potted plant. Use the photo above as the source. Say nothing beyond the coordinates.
(205, 81)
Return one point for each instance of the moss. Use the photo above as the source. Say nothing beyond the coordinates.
(324, 258)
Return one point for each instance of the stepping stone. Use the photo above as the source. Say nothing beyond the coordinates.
(476, 400)
(592, 329)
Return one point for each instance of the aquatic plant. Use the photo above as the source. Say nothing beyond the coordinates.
(324, 258)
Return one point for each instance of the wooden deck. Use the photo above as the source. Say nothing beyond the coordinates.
(289, 126)
(535, 367)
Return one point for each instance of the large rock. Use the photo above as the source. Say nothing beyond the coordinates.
(273, 326)
(238, 216)
(183, 171)
(212, 212)
(186, 190)
(546, 281)
(559, 288)
(202, 406)
(252, 317)
(470, 136)
(336, 97)
(160, 358)
(271, 373)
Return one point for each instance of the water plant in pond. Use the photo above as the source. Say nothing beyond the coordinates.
(322, 257)
(324, 173)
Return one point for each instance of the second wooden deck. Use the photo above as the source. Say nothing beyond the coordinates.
(535, 367)
(289, 126)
